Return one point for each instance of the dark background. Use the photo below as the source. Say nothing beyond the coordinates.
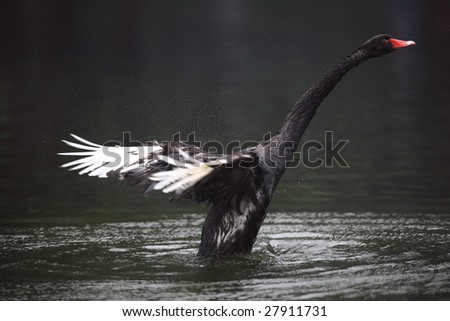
(227, 70)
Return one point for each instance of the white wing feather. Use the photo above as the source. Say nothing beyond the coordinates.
(179, 179)
(99, 160)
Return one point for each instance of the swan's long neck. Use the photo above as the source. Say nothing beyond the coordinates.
(280, 150)
(304, 110)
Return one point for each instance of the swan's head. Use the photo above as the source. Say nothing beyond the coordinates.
(384, 44)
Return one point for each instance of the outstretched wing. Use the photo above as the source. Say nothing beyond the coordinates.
(176, 167)
(102, 161)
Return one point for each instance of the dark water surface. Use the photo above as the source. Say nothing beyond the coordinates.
(228, 70)
(298, 256)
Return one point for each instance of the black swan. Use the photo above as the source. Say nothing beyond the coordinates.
(238, 187)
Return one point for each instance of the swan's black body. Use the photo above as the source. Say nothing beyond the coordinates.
(238, 187)
(265, 177)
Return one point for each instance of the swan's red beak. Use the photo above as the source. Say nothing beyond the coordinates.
(397, 44)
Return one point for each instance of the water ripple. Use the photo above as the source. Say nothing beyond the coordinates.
(297, 256)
